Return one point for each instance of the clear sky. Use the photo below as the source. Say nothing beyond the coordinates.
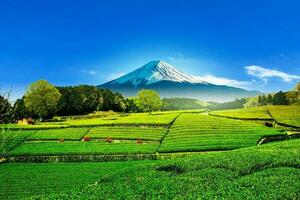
(251, 44)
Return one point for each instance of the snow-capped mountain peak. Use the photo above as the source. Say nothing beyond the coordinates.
(153, 72)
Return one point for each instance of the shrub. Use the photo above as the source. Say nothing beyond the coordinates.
(139, 141)
(109, 140)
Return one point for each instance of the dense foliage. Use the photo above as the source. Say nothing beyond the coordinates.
(5, 110)
(148, 101)
(84, 99)
(238, 103)
(42, 98)
(181, 104)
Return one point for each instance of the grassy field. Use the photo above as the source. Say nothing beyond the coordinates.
(260, 113)
(289, 115)
(269, 171)
(90, 147)
(121, 132)
(10, 139)
(198, 132)
(56, 134)
(22, 180)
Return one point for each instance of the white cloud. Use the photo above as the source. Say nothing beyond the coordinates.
(90, 72)
(265, 73)
(113, 76)
(182, 59)
(225, 81)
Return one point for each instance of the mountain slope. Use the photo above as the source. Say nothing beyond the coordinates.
(170, 82)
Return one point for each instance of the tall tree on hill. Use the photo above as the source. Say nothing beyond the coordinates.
(269, 100)
(42, 98)
(263, 100)
(20, 111)
(5, 110)
(297, 88)
(149, 101)
(280, 99)
(259, 101)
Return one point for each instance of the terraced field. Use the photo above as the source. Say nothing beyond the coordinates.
(90, 147)
(129, 133)
(287, 115)
(56, 134)
(268, 171)
(11, 139)
(255, 113)
(198, 132)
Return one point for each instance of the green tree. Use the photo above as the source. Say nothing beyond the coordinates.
(259, 101)
(42, 98)
(280, 99)
(5, 110)
(148, 101)
(269, 99)
(297, 88)
(263, 100)
(20, 111)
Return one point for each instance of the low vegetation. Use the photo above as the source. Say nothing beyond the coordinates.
(198, 132)
(269, 171)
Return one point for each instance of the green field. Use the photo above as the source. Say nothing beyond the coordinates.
(197, 132)
(289, 115)
(91, 147)
(260, 113)
(248, 171)
(269, 171)
(121, 132)
(56, 134)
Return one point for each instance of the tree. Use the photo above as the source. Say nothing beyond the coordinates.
(264, 100)
(280, 99)
(269, 100)
(42, 98)
(259, 101)
(148, 101)
(20, 111)
(5, 109)
(131, 105)
(297, 88)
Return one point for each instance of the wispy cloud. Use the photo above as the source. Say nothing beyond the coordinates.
(265, 73)
(225, 81)
(182, 59)
(90, 72)
(113, 76)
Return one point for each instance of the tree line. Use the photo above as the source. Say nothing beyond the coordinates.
(43, 100)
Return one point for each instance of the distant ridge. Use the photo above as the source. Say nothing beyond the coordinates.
(170, 82)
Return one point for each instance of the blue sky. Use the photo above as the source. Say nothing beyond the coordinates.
(251, 44)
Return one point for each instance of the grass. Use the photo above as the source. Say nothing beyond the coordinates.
(268, 171)
(119, 132)
(23, 180)
(197, 132)
(258, 113)
(10, 139)
(77, 148)
(56, 134)
(289, 115)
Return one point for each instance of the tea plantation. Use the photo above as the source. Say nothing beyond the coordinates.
(178, 155)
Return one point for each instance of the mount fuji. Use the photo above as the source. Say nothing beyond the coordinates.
(170, 82)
